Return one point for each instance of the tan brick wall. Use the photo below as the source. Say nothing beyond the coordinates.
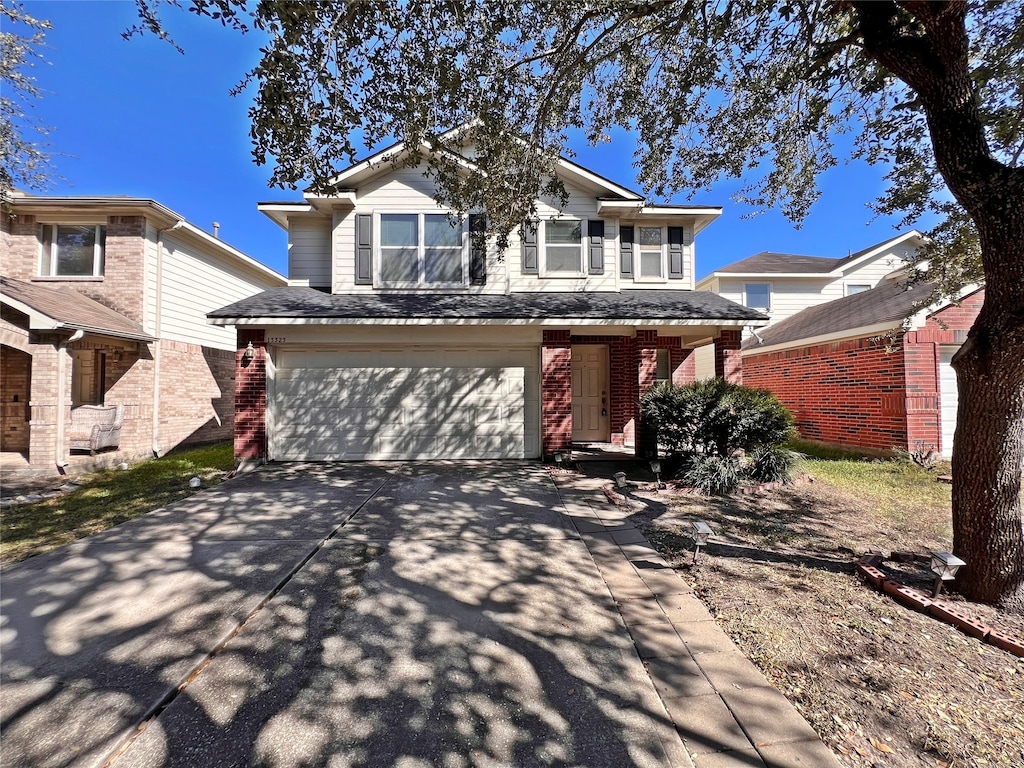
(15, 378)
(19, 246)
(197, 394)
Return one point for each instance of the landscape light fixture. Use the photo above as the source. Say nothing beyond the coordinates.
(701, 532)
(656, 469)
(559, 459)
(620, 479)
(250, 352)
(944, 566)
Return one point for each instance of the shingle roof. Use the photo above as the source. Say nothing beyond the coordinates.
(768, 262)
(302, 302)
(890, 302)
(72, 310)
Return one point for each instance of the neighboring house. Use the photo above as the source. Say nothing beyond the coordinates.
(782, 284)
(402, 337)
(867, 370)
(104, 301)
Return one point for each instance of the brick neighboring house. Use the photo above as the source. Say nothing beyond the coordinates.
(402, 337)
(103, 301)
(865, 370)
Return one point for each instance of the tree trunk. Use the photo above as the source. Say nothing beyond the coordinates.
(988, 451)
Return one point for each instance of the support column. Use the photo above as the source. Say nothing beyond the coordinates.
(556, 392)
(728, 359)
(647, 376)
(251, 396)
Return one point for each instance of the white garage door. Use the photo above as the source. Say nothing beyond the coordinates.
(405, 403)
(948, 398)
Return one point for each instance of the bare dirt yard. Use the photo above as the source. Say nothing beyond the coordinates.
(882, 684)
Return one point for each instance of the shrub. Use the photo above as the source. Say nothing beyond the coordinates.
(726, 433)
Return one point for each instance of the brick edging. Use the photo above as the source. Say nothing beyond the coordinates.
(942, 610)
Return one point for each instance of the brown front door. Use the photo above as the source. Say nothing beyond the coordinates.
(590, 393)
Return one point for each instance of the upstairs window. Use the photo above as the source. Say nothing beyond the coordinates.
(72, 251)
(852, 288)
(758, 296)
(563, 247)
(651, 252)
(421, 249)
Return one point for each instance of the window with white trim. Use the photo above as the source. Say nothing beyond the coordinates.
(421, 249)
(852, 288)
(758, 296)
(652, 252)
(72, 250)
(563, 246)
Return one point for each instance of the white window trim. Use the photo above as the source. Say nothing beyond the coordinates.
(637, 268)
(848, 284)
(771, 294)
(52, 260)
(421, 283)
(542, 245)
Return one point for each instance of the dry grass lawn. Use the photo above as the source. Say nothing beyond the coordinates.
(882, 685)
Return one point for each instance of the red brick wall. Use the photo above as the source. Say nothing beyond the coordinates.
(728, 359)
(845, 393)
(251, 397)
(556, 392)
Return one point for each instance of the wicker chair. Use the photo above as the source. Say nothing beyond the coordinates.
(95, 427)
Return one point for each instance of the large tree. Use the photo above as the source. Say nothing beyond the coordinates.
(24, 156)
(759, 90)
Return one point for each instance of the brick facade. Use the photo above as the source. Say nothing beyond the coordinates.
(728, 358)
(196, 383)
(867, 392)
(556, 392)
(250, 427)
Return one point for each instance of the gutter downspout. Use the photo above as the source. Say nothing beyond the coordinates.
(157, 328)
(62, 393)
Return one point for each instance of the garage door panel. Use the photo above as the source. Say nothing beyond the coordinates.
(471, 405)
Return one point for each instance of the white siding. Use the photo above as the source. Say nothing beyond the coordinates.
(787, 296)
(582, 205)
(704, 362)
(688, 279)
(404, 189)
(309, 250)
(873, 271)
(194, 284)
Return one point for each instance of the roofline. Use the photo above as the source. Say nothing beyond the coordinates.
(524, 321)
(169, 218)
(911, 323)
(826, 338)
(875, 249)
(40, 321)
(772, 275)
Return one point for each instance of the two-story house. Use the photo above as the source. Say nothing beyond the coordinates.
(104, 302)
(401, 336)
(850, 351)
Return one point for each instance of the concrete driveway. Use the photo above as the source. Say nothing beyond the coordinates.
(408, 615)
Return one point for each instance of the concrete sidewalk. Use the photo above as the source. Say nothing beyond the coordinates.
(470, 613)
(723, 707)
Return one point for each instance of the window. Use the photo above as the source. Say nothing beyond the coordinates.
(72, 251)
(852, 288)
(758, 296)
(421, 249)
(563, 247)
(651, 251)
(664, 370)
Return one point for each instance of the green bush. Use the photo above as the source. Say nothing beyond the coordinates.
(742, 427)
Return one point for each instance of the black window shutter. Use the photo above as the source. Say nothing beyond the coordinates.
(364, 249)
(675, 253)
(531, 261)
(478, 248)
(626, 251)
(595, 247)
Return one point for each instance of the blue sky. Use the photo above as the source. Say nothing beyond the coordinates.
(137, 118)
